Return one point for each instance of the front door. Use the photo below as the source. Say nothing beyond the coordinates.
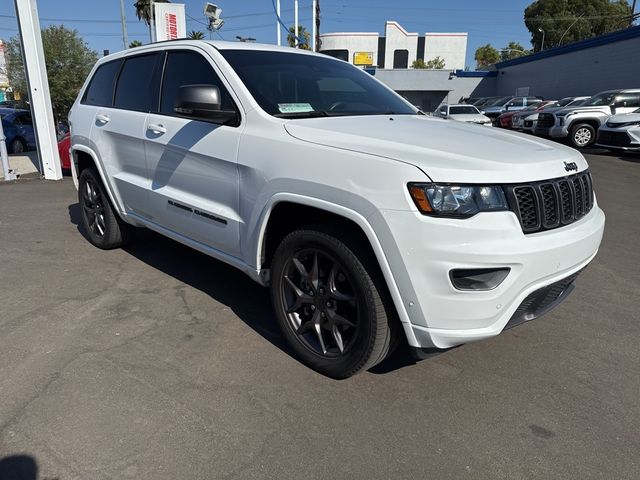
(193, 188)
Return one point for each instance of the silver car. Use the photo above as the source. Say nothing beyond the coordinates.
(621, 132)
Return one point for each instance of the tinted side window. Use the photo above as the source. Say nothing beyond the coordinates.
(516, 102)
(100, 89)
(628, 100)
(189, 68)
(134, 91)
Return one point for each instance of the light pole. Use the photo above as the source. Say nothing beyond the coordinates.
(542, 46)
(125, 40)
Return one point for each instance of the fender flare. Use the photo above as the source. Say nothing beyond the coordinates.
(361, 221)
(100, 167)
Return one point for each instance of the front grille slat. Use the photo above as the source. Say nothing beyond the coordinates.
(551, 203)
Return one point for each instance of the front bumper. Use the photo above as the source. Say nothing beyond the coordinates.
(619, 138)
(442, 316)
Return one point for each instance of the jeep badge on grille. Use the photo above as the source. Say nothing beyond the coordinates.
(570, 166)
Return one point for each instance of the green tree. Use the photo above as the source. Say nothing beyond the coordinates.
(419, 64)
(196, 35)
(566, 21)
(68, 59)
(486, 56)
(512, 50)
(435, 63)
(135, 43)
(303, 35)
(144, 12)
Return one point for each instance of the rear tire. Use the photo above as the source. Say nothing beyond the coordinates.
(331, 303)
(582, 135)
(102, 224)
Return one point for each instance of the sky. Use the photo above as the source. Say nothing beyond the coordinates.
(98, 21)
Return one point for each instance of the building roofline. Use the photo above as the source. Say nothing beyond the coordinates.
(607, 39)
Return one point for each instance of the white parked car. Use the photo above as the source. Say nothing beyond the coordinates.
(463, 113)
(367, 219)
(621, 132)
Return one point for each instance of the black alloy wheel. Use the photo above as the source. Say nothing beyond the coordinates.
(103, 226)
(331, 302)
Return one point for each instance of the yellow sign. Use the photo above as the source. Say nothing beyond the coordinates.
(363, 58)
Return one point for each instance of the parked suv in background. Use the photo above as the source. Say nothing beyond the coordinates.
(367, 219)
(507, 104)
(528, 121)
(580, 124)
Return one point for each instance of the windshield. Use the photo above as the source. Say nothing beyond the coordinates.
(291, 85)
(577, 103)
(499, 101)
(463, 110)
(564, 102)
(530, 108)
(601, 99)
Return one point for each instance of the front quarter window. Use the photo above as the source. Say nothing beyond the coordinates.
(293, 85)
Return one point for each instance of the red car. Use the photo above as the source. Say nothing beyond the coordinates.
(506, 119)
(63, 149)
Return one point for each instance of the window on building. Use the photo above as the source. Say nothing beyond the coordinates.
(339, 54)
(401, 59)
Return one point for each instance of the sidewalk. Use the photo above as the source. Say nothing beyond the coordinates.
(23, 164)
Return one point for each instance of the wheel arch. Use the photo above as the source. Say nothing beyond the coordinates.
(284, 213)
(84, 157)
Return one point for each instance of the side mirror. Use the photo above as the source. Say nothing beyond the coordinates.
(202, 102)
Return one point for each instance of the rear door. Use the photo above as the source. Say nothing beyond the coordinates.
(193, 173)
(24, 123)
(118, 130)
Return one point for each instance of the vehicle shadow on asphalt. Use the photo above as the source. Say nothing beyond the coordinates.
(632, 157)
(225, 284)
(18, 467)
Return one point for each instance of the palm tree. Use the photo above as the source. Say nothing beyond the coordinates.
(304, 38)
(135, 43)
(144, 13)
(196, 35)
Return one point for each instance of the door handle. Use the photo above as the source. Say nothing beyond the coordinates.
(102, 119)
(156, 128)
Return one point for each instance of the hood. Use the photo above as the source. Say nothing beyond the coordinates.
(445, 151)
(470, 117)
(494, 109)
(508, 114)
(564, 111)
(624, 118)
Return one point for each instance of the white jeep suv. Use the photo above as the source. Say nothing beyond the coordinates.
(368, 220)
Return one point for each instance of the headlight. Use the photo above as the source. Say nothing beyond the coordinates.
(457, 201)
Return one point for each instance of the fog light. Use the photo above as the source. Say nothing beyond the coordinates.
(478, 278)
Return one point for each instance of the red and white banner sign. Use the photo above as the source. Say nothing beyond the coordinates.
(170, 21)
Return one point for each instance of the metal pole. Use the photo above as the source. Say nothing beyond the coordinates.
(6, 170)
(313, 26)
(36, 69)
(633, 13)
(295, 21)
(152, 22)
(125, 40)
(318, 41)
(278, 27)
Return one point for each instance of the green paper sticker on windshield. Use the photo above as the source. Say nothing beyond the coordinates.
(295, 107)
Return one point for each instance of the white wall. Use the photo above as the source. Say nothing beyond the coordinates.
(353, 42)
(399, 39)
(452, 47)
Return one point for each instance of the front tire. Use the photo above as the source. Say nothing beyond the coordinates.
(329, 303)
(582, 135)
(103, 226)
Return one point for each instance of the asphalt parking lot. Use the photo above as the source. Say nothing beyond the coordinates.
(156, 362)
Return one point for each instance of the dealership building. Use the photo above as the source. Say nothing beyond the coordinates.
(397, 48)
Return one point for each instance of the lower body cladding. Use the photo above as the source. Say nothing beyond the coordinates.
(556, 131)
(518, 276)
